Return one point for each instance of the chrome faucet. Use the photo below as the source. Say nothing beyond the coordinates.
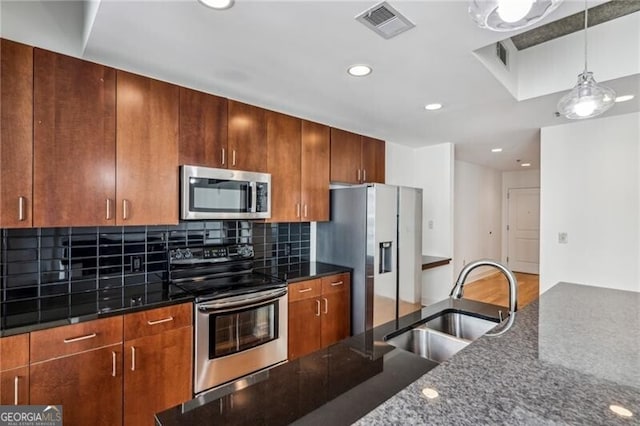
(456, 292)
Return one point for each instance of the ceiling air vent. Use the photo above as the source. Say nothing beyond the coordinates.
(385, 20)
(501, 52)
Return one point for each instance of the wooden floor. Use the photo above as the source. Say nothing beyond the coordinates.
(494, 289)
(385, 309)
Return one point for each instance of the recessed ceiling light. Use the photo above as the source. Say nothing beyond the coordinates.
(359, 70)
(526, 164)
(624, 98)
(496, 150)
(218, 4)
(432, 107)
(621, 411)
(430, 393)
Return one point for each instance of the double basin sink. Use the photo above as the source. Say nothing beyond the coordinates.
(439, 338)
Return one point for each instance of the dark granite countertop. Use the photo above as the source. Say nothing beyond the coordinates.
(302, 271)
(567, 358)
(429, 262)
(336, 385)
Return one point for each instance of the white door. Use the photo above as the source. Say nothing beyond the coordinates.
(523, 230)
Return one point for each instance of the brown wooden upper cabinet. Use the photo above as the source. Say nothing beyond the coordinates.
(298, 160)
(203, 129)
(16, 135)
(356, 158)
(147, 151)
(74, 141)
(247, 137)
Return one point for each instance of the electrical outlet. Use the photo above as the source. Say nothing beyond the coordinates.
(563, 238)
(287, 249)
(136, 263)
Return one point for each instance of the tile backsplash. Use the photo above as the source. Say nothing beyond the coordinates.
(66, 272)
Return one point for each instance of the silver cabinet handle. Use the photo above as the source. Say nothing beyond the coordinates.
(16, 389)
(326, 305)
(305, 211)
(78, 339)
(358, 175)
(304, 290)
(160, 321)
(297, 209)
(364, 175)
(125, 209)
(337, 283)
(108, 208)
(223, 156)
(233, 157)
(21, 203)
(114, 370)
(317, 307)
(133, 358)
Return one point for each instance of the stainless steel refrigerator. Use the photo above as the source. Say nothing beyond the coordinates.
(376, 230)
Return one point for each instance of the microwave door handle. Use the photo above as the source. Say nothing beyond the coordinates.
(253, 193)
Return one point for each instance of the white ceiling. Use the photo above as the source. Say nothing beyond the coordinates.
(292, 56)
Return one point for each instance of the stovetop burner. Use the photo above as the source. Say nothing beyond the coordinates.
(214, 272)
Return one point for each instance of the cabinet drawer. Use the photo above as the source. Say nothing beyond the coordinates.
(154, 321)
(14, 351)
(70, 339)
(336, 283)
(304, 290)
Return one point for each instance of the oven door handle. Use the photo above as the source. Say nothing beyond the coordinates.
(245, 302)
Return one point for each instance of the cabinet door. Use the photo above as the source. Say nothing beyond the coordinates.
(74, 141)
(315, 161)
(157, 374)
(16, 135)
(147, 151)
(203, 129)
(335, 317)
(345, 156)
(14, 386)
(283, 162)
(88, 385)
(373, 160)
(247, 137)
(304, 327)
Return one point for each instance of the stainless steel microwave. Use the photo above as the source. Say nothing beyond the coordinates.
(208, 193)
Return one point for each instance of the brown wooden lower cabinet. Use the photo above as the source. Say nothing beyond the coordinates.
(319, 313)
(14, 386)
(157, 374)
(88, 385)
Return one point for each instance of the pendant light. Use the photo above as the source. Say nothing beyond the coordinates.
(509, 15)
(587, 99)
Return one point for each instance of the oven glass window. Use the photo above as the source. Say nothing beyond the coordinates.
(236, 331)
(213, 195)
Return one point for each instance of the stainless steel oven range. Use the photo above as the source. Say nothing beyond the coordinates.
(240, 315)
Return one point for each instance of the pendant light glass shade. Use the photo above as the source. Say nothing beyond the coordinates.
(587, 99)
(509, 15)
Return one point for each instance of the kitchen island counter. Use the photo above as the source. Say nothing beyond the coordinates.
(567, 358)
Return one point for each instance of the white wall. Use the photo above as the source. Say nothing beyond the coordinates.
(590, 189)
(477, 223)
(510, 180)
(429, 168)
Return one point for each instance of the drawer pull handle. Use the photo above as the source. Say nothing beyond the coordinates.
(160, 321)
(78, 339)
(337, 283)
(114, 372)
(16, 392)
(133, 358)
(304, 290)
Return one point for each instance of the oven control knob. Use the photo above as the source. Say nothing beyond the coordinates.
(188, 254)
(178, 254)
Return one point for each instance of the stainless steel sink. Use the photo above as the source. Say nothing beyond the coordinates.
(441, 337)
(461, 325)
(428, 344)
